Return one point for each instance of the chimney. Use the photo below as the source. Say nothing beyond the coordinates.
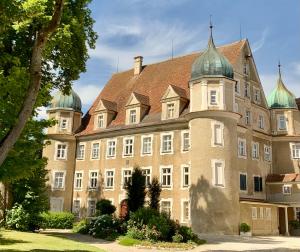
(138, 65)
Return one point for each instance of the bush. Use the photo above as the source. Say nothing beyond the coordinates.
(187, 234)
(61, 220)
(154, 191)
(139, 231)
(164, 225)
(17, 218)
(81, 227)
(105, 206)
(105, 227)
(295, 224)
(177, 238)
(244, 227)
(143, 215)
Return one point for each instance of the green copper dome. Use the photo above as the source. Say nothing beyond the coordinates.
(64, 101)
(281, 97)
(211, 63)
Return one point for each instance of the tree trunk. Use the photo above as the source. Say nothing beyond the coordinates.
(41, 39)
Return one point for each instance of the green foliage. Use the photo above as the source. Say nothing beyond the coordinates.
(128, 241)
(81, 227)
(164, 225)
(105, 227)
(17, 218)
(187, 234)
(142, 232)
(105, 206)
(57, 220)
(154, 191)
(244, 227)
(177, 238)
(295, 224)
(143, 215)
(136, 190)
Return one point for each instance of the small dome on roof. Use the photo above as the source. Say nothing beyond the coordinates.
(211, 63)
(281, 97)
(66, 101)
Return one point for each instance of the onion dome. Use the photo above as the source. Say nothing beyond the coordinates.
(211, 63)
(281, 97)
(66, 101)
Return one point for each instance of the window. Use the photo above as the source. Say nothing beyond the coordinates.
(185, 176)
(167, 140)
(268, 213)
(237, 87)
(128, 147)
(166, 177)
(295, 151)
(185, 211)
(261, 212)
(126, 177)
(185, 141)
(61, 151)
(78, 180)
(247, 90)
(281, 122)
(246, 68)
(80, 151)
(258, 186)
(100, 121)
(261, 122)
(248, 118)
(217, 134)
(91, 207)
(254, 213)
(95, 150)
(267, 151)
(213, 97)
(93, 180)
(243, 182)
(59, 180)
(255, 150)
(242, 151)
(287, 189)
(147, 174)
(257, 95)
(146, 145)
(76, 208)
(63, 123)
(218, 173)
(111, 148)
(165, 206)
(170, 110)
(56, 204)
(132, 116)
(109, 182)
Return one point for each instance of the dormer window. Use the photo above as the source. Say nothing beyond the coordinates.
(100, 121)
(63, 123)
(132, 116)
(170, 110)
(213, 97)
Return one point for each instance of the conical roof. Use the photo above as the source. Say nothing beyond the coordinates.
(281, 97)
(69, 101)
(211, 63)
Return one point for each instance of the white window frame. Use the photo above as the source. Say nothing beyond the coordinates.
(255, 151)
(150, 174)
(257, 95)
(90, 177)
(131, 116)
(100, 119)
(142, 145)
(61, 123)
(88, 206)
(281, 118)
(73, 208)
(213, 165)
(109, 188)
(108, 148)
(295, 152)
(65, 157)
(170, 113)
(92, 150)
(248, 117)
(80, 158)
(123, 176)
(214, 142)
(168, 187)
(216, 103)
(75, 181)
(237, 87)
(261, 213)
(261, 122)
(268, 213)
(183, 220)
(125, 155)
(244, 154)
(54, 188)
(171, 205)
(254, 213)
(162, 152)
(183, 173)
(247, 90)
(267, 153)
(62, 202)
(183, 139)
(289, 192)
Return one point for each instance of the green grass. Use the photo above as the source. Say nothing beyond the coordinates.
(13, 241)
(127, 241)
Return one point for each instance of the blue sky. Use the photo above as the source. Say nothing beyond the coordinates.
(138, 27)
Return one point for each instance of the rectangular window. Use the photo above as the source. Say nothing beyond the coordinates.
(218, 134)
(109, 182)
(218, 173)
(243, 182)
(248, 118)
(147, 174)
(128, 147)
(213, 97)
(258, 186)
(63, 123)
(95, 150)
(80, 151)
(59, 180)
(237, 87)
(78, 180)
(93, 180)
(254, 213)
(281, 122)
(242, 151)
(166, 177)
(167, 145)
(91, 207)
(132, 116)
(111, 148)
(247, 90)
(76, 208)
(261, 122)
(261, 212)
(185, 176)
(268, 213)
(267, 151)
(61, 152)
(287, 189)
(170, 110)
(146, 145)
(101, 121)
(257, 95)
(185, 141)
(255, 150)
(296, 151)
(126, 177)
(185, 211)
(165, 206)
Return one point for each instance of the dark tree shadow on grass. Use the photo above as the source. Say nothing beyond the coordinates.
(8, 241)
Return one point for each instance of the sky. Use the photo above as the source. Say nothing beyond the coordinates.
(128, 28)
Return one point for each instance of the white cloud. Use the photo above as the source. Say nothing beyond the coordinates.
(41, 113)
(87, 93)
(257, 45)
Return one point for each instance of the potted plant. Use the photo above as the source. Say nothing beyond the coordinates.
(294, 227)
(245, 229)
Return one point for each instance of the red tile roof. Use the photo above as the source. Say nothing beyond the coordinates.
(152, 82)
(283, 178)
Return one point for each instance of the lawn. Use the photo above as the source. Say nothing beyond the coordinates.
(13, 241)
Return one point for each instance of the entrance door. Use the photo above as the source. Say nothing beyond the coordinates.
(123, 209)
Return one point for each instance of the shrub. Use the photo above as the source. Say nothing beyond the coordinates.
(177, 238)
(17, 218)
(143, 215)
(62, 220)
(105, 227)
(164, 225)
(105, 206)
(142, 232)
(154, 191)
(295, 224)
(81, 227)
(244, 227)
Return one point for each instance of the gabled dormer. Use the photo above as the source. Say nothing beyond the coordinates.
(173, 102)
(105, 112)
(136, 108)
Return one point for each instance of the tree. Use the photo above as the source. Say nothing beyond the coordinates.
(104, 206)
(136, 190)
(154, 191)
(43, 45)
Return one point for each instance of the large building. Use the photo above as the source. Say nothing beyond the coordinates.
(201, 123)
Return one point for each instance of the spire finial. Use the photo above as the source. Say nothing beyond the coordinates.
(279, 68)
(210, 41)
(210, 25)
